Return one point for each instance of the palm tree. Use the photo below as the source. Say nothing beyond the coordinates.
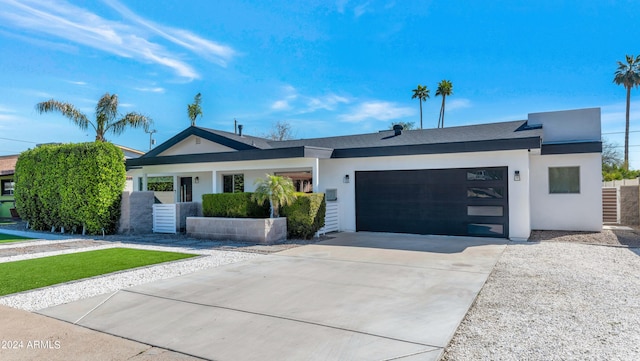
(278, 190)
(106, 113)
(194, 109)
(628, 75)
(445, 88)
(422, 93)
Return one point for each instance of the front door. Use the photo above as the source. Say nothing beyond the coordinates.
(186, 189)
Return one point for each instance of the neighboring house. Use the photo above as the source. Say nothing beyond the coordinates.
(7, 172)
(499, 179)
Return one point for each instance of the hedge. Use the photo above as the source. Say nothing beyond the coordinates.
(233, 205)
(304, 217)
(71, 186)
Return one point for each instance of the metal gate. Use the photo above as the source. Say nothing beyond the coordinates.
(164, 218)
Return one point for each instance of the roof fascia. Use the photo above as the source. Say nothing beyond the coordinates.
(572, 148)
(440, 148)
(192, 130)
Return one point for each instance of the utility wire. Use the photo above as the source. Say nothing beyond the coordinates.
(18, 140)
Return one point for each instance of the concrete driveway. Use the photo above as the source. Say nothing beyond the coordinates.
(357, 296)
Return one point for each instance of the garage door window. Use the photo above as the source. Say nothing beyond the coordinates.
(484, 174)
(485, 192)
(564, 180)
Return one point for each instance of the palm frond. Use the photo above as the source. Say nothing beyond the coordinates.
(66, 109)
(133, 120)
(107, 108)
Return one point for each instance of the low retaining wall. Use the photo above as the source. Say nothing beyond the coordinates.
(260, 230)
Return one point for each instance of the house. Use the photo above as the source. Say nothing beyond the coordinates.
(499, 179)
(7, 171)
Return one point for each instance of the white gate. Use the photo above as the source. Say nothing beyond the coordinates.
(330, 219)
(164, 218)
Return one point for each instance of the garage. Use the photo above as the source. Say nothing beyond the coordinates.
(461, 202)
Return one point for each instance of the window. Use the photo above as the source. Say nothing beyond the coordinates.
(7, 187)
(484, 174)
(488, 192)
(564, 179)
(160, 184)
(233, 183)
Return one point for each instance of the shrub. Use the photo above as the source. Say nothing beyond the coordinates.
(71, 186)
(305, 216)
(233, 205)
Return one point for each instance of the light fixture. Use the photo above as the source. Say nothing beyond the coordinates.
(197, 179)
(345, 179)
(516, 176)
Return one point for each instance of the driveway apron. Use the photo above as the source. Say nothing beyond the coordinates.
(356, 296)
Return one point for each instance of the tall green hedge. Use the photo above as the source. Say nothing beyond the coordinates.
(233, 205)
(71, 186)
(305, 216)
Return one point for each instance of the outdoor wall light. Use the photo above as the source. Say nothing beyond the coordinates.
(516, 176)
(345, 179)
(197, 179)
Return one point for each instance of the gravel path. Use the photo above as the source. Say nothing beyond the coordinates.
(556, 300)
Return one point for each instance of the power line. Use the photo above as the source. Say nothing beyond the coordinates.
(18, 140)
(631, 131)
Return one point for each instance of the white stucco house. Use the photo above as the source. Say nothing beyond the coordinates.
(499, 179)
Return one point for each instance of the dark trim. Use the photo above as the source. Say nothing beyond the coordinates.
(227, 142)
(571, 148)
(254, 154)
(440, 148)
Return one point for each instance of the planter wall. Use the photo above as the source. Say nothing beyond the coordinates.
(260, 230)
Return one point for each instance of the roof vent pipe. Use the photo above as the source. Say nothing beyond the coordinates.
(240, 129)
(398, 129)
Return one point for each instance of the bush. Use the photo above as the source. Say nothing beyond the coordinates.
(71, 186)
(233, 205)
(305, 216)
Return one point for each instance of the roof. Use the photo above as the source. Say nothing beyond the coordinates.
(472, 138)
(8, 164)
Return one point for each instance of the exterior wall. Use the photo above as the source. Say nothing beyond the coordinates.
(262, 230)
(136, 213)
(189, 146)
(333, 171)
(629, 205)
(568, 212)
(568, 125)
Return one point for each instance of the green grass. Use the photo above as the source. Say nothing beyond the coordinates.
(6, 238)
(26, 275)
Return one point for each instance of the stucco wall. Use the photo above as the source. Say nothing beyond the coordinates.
(332, 172)
(568, 125)
(629, 205)
(189, 146)
(569, 212)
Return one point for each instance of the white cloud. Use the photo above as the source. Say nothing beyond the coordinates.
(327, 102)
(340, 5)
(280, 105)
(77, 25)
(377, 110)
(81, 83)
(457, 103)
(151, 90)
(360, 9)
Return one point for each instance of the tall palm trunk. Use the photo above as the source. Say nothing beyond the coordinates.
(626, 131)
(420, 113)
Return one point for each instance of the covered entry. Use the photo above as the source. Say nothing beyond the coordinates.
(462, 202)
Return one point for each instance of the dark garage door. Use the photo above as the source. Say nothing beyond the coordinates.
(463, 202)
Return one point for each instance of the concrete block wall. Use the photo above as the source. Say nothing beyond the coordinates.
(184, 210)
(629, 205)
(136, 212)
(265, 231)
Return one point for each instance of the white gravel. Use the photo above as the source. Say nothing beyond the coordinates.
(68, 292)
(555, 301)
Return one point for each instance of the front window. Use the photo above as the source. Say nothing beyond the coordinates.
(233, 183)
(7, 187)
(160, 184)
(564, 179)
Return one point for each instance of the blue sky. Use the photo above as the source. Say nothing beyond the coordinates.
(327, 67)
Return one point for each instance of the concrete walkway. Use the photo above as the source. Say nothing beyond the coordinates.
(357, 296)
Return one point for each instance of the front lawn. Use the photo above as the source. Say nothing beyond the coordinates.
(6, 238)
(25, 275)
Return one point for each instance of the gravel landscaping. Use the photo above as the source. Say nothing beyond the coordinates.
(571, 296)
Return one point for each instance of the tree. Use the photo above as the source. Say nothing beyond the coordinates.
(106, 114)
(194, 109)
(611, 158)
(278, 190)
(281, 130)
(405, 125)
(445, 88)
(628, 75)
(422, 93)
